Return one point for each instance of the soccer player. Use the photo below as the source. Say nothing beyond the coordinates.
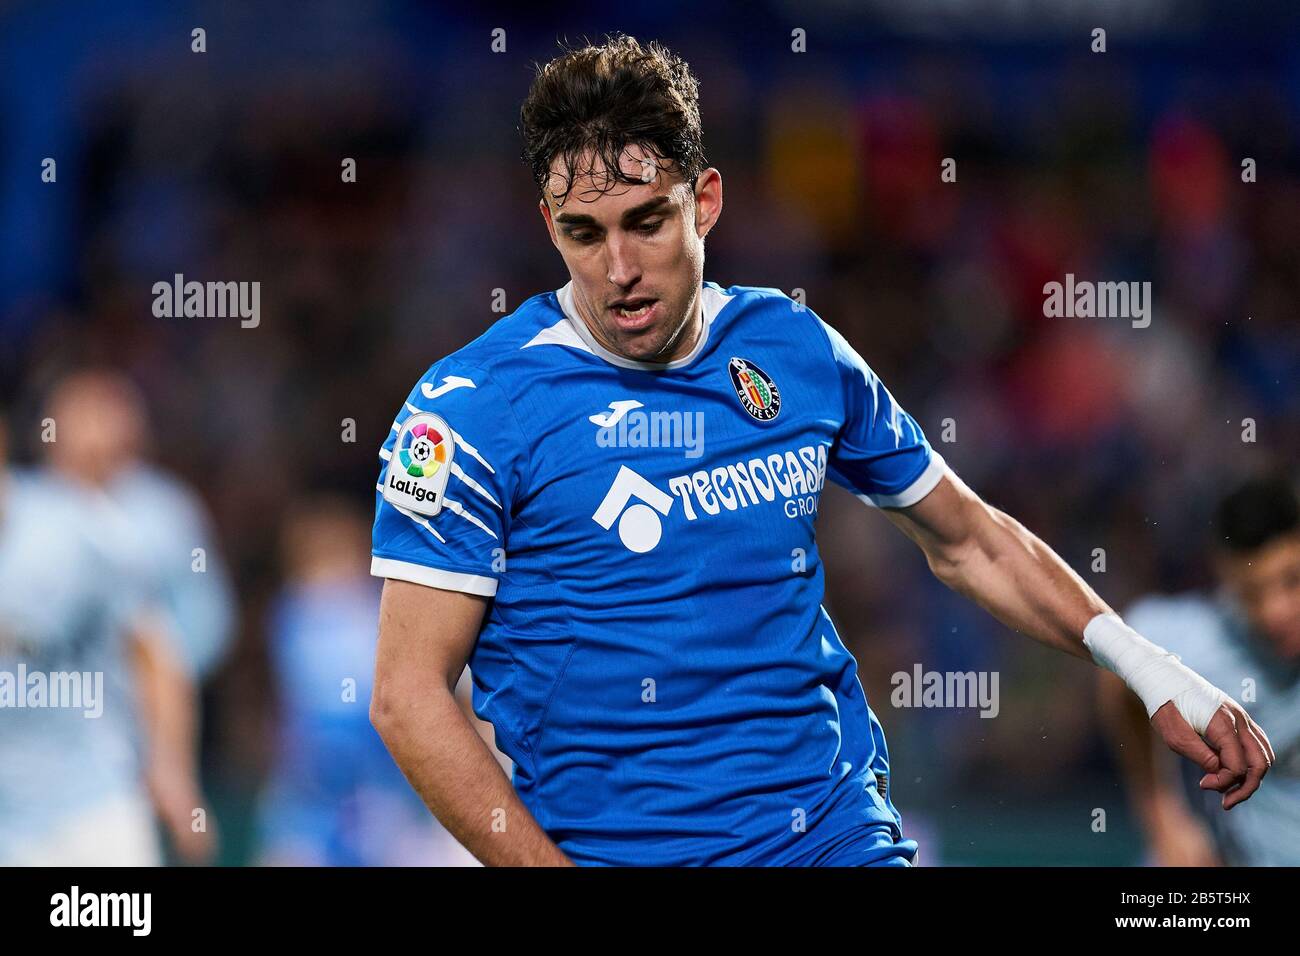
(157, 528)
(605, 505)
(72, 778)
(1246, 636)
(88, 586)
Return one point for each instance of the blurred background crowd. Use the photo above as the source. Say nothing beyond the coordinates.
(225, 165)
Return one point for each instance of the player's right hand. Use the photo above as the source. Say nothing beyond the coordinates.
(1235, 753)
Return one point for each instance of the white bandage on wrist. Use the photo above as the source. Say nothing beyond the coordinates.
(1153, 673)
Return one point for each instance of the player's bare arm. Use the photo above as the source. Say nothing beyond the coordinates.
(166, 696)
(991, 558)
(425, 638)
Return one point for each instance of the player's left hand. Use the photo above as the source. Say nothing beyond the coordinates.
(1235, 753)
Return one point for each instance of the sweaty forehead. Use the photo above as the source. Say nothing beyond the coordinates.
(590, 187)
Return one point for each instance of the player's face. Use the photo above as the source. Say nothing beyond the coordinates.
(636, 253)
(1267, 583)
(100, 427)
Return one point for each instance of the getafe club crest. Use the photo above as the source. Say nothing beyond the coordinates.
(421, 464)
(755, 389)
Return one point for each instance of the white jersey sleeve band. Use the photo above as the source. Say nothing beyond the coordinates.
(433, 577)
(1153, 673)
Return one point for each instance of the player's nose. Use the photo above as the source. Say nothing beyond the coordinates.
(622, 268)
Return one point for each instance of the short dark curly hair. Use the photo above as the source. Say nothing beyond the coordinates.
(1256, 512)
(606, 98)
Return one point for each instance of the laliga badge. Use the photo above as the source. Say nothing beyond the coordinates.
(421, 464)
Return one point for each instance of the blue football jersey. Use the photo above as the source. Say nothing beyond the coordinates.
(656, 660)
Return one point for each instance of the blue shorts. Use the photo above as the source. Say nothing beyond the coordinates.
(868, 845)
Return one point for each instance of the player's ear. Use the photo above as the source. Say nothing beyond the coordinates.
(708, 200)
(545, 210)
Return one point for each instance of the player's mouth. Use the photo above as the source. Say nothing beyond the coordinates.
(634, 314)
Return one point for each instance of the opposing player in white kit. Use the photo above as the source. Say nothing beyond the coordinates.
(1245, 638)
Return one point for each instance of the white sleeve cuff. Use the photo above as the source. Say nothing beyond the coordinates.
(433, 577)
(918, 489)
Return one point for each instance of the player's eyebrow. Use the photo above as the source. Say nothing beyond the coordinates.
(636, 212)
